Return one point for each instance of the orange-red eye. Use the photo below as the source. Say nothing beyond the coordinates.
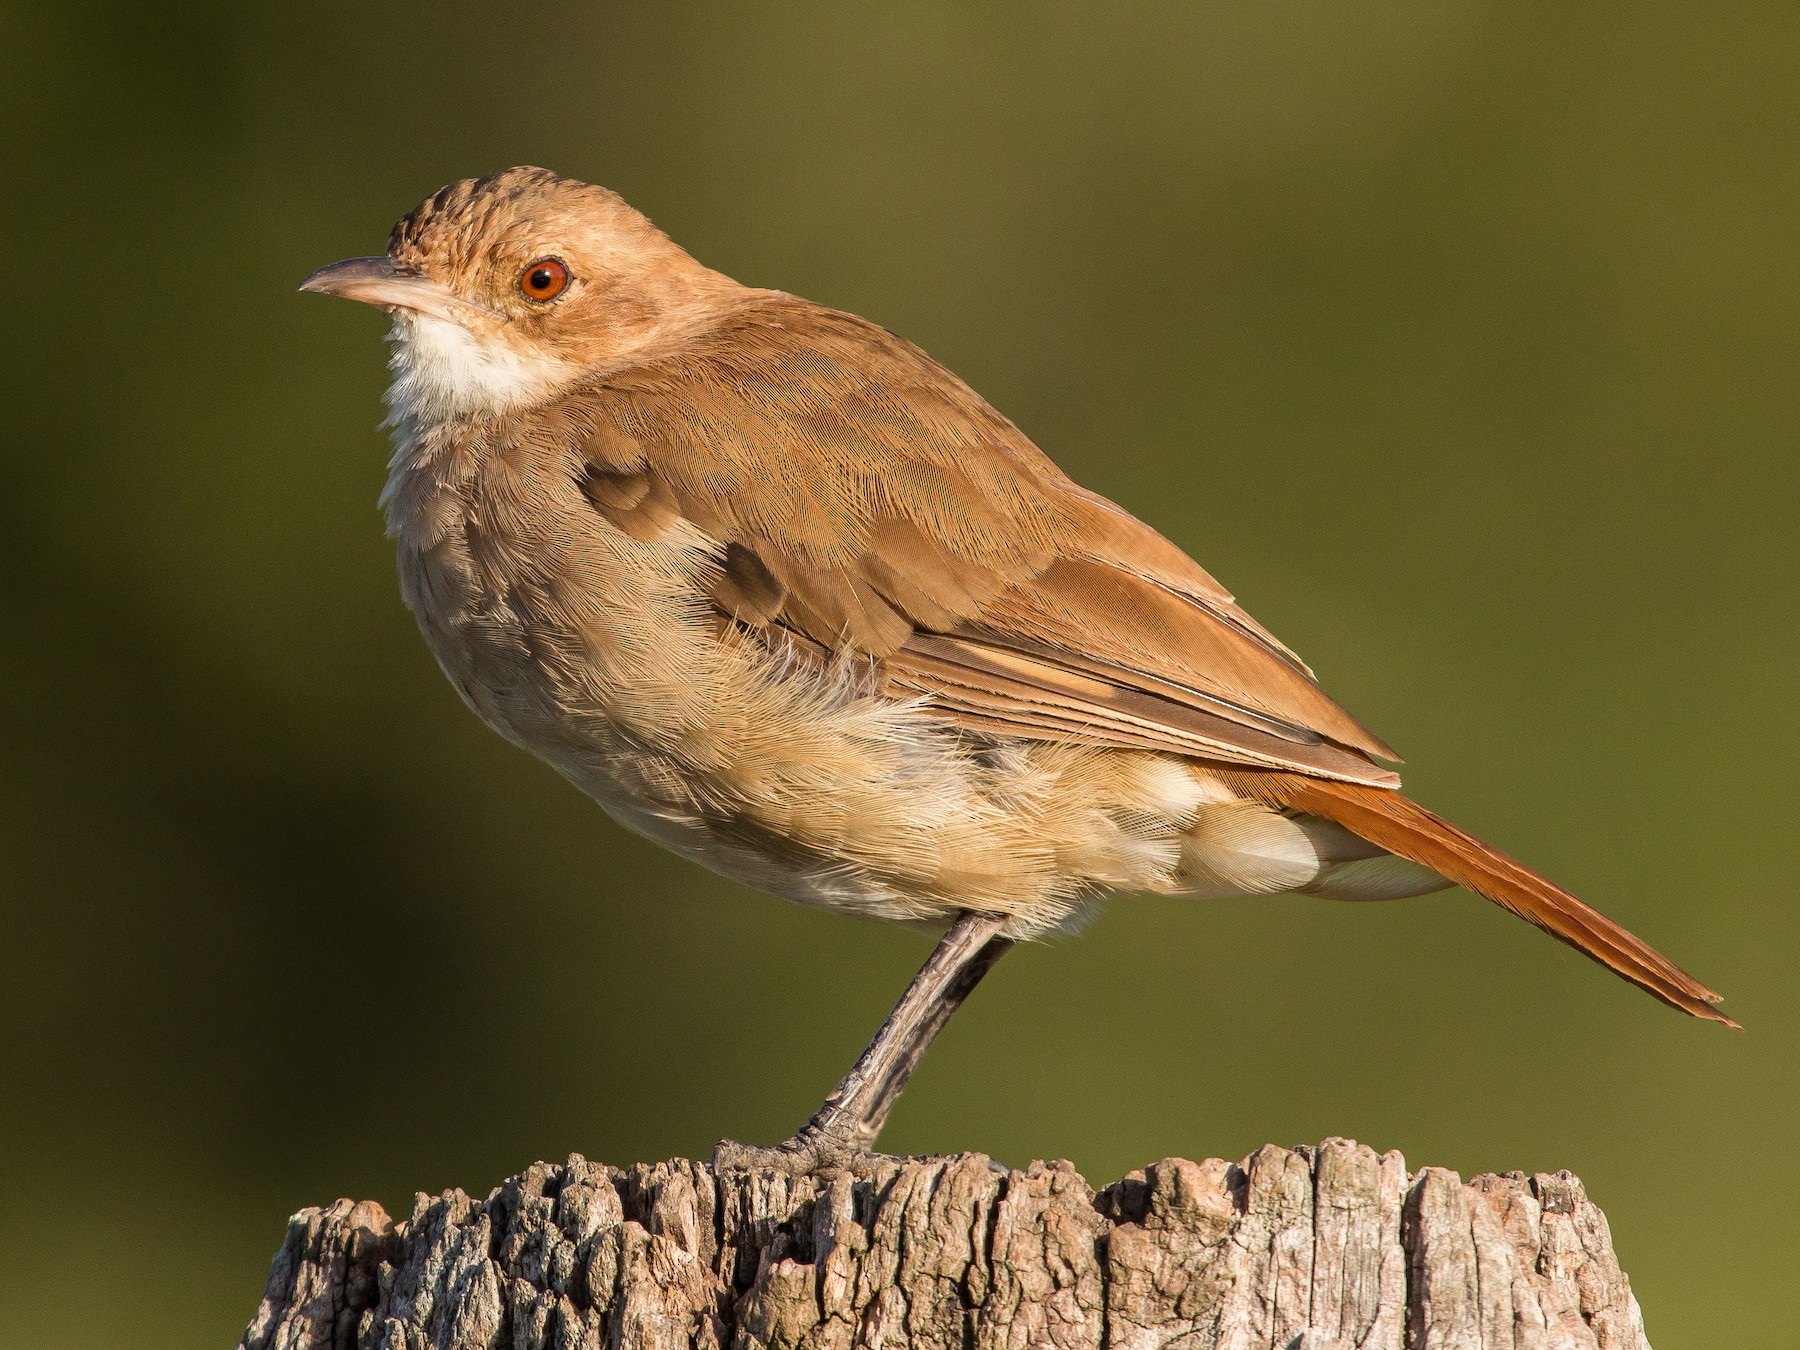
(544, 279)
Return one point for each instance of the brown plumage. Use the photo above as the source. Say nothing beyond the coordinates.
(907, 521)
(782, 592)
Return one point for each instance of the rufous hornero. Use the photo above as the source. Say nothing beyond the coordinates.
(788, 597)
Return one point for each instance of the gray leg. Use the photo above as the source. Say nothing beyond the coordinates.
(846, 1126)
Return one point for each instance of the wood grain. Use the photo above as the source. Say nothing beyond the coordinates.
(1331, 1247)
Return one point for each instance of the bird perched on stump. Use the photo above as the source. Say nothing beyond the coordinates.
(788, 597)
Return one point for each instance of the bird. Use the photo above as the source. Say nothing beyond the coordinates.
(786, 596)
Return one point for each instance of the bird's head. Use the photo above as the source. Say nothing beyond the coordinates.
(507, 288)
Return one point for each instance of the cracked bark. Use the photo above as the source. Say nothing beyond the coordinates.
(1322, 1248)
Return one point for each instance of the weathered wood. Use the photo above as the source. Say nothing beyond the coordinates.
(1333, 1247)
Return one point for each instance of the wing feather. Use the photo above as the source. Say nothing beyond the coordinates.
(864, 498)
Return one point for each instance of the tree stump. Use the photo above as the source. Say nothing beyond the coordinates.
(1332, 1247)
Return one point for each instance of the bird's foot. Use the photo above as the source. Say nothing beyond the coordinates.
(811, 1150)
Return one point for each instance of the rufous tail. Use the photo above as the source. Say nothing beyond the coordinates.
(1403, 827)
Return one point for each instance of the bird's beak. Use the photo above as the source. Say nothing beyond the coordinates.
(382, 281)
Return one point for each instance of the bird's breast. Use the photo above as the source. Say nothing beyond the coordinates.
(563, 633)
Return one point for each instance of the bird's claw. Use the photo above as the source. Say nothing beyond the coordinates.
(807, 1152)
(811, 1152)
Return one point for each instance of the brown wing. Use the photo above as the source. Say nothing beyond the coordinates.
(864, 498)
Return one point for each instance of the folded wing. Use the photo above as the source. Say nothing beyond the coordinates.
(865, 500)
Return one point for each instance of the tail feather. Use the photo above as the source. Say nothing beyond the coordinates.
(1403, 827)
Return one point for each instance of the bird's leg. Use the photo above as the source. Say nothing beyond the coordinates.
(858, 1107)
(845, 1127)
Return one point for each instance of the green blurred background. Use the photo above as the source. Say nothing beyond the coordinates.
(1458, 339)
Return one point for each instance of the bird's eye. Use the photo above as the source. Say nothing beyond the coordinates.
(544, 280)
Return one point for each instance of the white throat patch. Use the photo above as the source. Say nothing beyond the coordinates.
(443, 371)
